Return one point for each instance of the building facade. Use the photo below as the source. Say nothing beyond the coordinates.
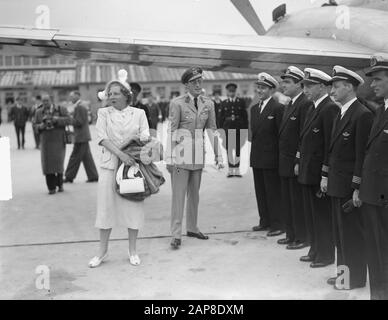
(26, 77)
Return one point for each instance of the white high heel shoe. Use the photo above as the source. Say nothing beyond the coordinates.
(96, 261)
(134, 260)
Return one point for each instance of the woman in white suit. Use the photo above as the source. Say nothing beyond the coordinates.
(116, 125)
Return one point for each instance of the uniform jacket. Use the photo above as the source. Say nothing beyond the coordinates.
(313, 153)
(19, 115)
(374, 179)
(265, 135)
(80, 123)
(289, 133)
(183, 133)
(233, 115)
(347, 150)
(53, 145)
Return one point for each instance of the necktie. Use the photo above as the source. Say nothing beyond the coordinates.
(196, 103)
(260, 106)
(287, 109)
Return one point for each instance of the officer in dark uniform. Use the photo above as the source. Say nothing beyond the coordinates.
(234, 120)
(374, 185)
(346, 156)
(311, 160)
(266, 117)
(290, 128)
(136, 89)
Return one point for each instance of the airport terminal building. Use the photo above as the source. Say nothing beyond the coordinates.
(27, 77)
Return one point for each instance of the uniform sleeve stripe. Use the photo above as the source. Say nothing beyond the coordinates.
(356, 180)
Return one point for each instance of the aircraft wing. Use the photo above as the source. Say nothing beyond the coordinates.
(92, 30)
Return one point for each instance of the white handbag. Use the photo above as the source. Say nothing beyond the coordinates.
(130, 182)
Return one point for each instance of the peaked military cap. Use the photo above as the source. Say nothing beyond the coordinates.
(267, 80)
(191, 74)
(316, 76)
(294, 73)
(341, 73)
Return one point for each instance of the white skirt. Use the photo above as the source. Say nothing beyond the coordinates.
(114, 210)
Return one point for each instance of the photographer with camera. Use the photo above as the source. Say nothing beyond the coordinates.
(51, 121)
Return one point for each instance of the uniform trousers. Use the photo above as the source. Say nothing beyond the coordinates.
(349, 241)
(81, 153)
(376, 236)
(20, 134)
(293, 213)
(268, 197)
(318, 225)
(54, 180)
(184, 182)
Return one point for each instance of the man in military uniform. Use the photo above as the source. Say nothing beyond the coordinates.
(136, 89)
(290, 128)
(234, 120)
(374, 185)
(189, 115)
(311, 160)
(266, 117)
(346, 156)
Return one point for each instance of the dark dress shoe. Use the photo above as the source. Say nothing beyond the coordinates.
(306, 259)
(91, 180)
(198, 235)
(175, 243)
(285, 241)
(297, 245)
(60, 189)
(275, 233)
(331, 281)
(68, 180)
(52, 191)
(320, 264)
(260, 228)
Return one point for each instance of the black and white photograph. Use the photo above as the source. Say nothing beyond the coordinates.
(195, 150)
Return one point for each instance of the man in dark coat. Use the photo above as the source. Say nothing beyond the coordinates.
(136, 89)
(346, 156)
(19, 115)
(311, 160)
(266, 117)
(234, 120)
(290, 128)
(81, 151)
(51, 121)
(374, 185)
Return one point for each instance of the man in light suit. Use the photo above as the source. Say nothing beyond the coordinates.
(189, 115)
(81, 151)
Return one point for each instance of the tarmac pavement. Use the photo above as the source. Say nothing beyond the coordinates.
(58, 232)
